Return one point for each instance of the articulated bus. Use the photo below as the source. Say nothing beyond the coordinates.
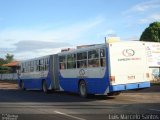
(105, 69)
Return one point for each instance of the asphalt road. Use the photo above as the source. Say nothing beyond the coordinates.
(35, 105)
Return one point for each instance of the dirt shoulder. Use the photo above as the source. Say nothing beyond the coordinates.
(8, 84)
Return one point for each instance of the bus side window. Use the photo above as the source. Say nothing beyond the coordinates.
(42, 65)
(102, 52)
(82, 56)
(102, 57)
(82, 60)
(22, 70)
(93, 58)
(93, 54)
(82, 64)
(93, 63)
(71, 58)
(31, 66)
(22, 67)
(47, 64)
(39, 63)
(62, 62)
(37, 67)
(27, 66)
(103, 62)
(62, 66)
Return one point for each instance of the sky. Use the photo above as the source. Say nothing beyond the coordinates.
(33, 28)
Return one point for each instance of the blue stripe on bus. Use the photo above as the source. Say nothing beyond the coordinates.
(94, 85)
(32, 83)
(144, 84)
(114, 88)
(36, 83)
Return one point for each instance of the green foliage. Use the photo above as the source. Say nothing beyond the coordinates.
(4, 69)
(9, 58)
(151, 33)
(2, 61)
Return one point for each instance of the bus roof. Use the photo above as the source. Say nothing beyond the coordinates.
(37, 58)
(82, 49)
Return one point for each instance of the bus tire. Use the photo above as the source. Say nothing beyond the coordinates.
(82, 89)
(44, 87)
(22, 85)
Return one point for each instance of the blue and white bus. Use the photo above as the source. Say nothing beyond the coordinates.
(39, 73)
(101, 69)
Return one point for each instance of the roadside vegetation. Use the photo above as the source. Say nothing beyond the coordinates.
(8, 58)
(151, 33)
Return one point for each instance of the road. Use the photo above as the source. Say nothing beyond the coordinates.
(32, 105)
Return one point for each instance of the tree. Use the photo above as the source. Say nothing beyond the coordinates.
(9, 58)
(151, 33)
(2, 68)
(2, 61)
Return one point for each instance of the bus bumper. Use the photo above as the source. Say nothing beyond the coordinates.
(130, 86)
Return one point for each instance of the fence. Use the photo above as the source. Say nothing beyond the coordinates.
(9, 76)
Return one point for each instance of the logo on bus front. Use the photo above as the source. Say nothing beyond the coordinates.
(128, 52)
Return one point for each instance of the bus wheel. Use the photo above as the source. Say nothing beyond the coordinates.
(22, 85)
(82, 89)
(44, 86)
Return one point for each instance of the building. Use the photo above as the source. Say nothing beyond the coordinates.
(13, 65)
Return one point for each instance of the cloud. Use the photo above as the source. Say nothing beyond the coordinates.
(37, 53)
(6, 50)
(149, 19)
(27, 49)
(143, 6)
(25, 40)
(32, 45)
(142, 13)
(67, 33)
